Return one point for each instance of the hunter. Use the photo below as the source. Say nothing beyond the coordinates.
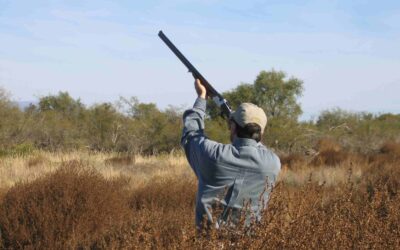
(231, 175)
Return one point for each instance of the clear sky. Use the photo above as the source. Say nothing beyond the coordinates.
(346, 52)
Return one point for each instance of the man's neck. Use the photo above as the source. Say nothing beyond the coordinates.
(238, 141)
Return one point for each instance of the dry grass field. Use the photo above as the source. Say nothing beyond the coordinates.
(333, 199)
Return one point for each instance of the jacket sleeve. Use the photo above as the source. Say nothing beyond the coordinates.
(198, 148)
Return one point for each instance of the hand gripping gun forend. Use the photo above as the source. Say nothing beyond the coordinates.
(211, 92)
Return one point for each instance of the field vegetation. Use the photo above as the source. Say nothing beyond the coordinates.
(113, 176)
(108, 200)
(62, 123)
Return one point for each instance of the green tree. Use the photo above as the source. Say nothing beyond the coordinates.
(151, 130)
(58, 122)
(158, 131)
(243, 93)
(62, 103)
(11, 122)
(337, 117)
(272, 91)
(278, 95)
(104, 126)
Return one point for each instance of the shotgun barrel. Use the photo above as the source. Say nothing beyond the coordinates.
(211, 92)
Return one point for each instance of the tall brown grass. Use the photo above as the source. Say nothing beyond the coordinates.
(354, 205)
(70, 208)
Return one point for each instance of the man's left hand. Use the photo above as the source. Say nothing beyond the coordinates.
(200, 89)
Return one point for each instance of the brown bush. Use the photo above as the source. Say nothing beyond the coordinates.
(388, 153)
(3, 192)
(330, 153)
(71, 208)
(155, 195)
(360, 215)
(382, 179)
(164, 214)
(311, 216)
(120, 161)
(292, 160)
(36, 160)
(74, 163)
(330, 158)
(303, 217)
(328, 144)
(390, 147)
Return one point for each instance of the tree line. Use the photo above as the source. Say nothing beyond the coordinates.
(61, 122)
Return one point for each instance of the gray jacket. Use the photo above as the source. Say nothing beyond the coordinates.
(233, 175)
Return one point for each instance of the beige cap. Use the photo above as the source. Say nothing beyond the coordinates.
(249, 113)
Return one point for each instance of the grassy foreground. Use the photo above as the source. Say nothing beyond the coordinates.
(104, 201)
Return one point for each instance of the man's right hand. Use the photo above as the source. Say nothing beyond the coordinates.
(200, 89)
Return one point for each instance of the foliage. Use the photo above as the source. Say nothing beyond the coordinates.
(11, 122)
(104, 124)
(272, 92)
(61, 122)
(62, 103)
(71, 208)
(77, 208)
(362, 131)
(277, 95)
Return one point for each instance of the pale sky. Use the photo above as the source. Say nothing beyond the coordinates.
(346, 52)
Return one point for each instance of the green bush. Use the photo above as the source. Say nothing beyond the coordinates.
(60, 122)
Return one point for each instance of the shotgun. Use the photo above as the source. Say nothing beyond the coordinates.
(211, 92)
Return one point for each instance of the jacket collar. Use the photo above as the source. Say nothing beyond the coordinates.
(239, 142)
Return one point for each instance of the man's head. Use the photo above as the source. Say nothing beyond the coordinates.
(248, 121)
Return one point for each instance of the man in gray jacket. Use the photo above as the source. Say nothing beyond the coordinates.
(234, 175)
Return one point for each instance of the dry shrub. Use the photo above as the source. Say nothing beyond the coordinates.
(74, 163)
(3, 192)
(120, 161)
(389, 152)
(327, 144)
(390, 147)
(292, 160)
(330, 158)
(330, 153)
(384, 175)
(160, 194)
(303, 217)
(360, 215)
(69, 209)
(164, 213)
(146, 168)
(36, 160)
(315, 216)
